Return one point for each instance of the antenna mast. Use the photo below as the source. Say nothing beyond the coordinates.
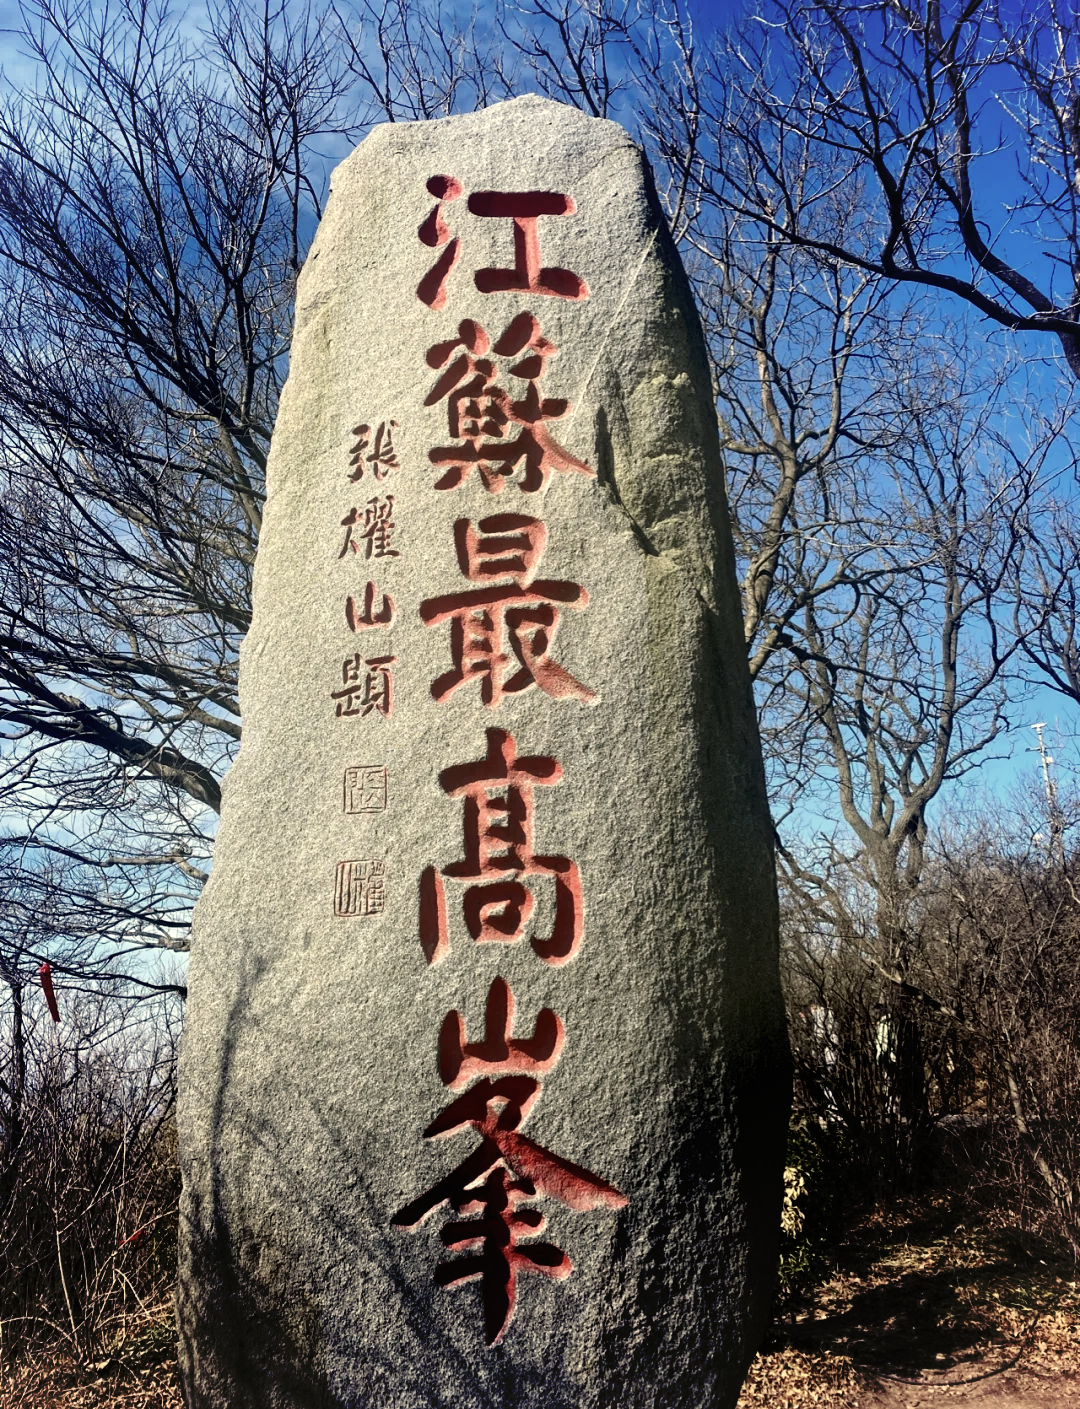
(1057, 828)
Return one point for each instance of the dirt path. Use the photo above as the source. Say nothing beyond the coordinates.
(787, 1378)
(998, 1394)
(921, 1310)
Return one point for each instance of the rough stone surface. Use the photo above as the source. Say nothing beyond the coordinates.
(349, 856)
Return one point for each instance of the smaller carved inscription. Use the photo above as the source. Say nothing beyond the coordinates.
(366, 788)
(359, 888)
(368, 686)
(369, 530)
(377, 609)
(382, 458)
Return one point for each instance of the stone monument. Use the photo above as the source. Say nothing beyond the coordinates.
(484, 1077)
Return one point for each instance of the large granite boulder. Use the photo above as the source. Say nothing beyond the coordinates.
(484, 1076)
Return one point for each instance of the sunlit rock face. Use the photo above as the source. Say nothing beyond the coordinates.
(484, 1072)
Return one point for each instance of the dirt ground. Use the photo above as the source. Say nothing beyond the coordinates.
(921, 1310)
(916, 1311)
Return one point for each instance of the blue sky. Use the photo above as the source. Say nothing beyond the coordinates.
(709, 15)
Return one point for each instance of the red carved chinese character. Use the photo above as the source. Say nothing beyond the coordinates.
(492, 1250)
(497, 792)
(502, 633)
(507, 545)
(369, 614)
(434, 233)
(480, 411)
(383, 457)
(368, 686)
(460, 1061)
(525, 209)
(512, 1167)
(371, 527)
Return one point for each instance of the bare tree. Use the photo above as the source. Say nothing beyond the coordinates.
(808, 357)
(1006, 928)
(154, 212)
(410, 62)
(924, 107)
(904, 678)
(900, 543)
(990, 995)
(157, 193)
(1047, 579)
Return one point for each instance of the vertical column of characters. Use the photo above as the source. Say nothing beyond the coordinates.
(502, 630)
(367, 541)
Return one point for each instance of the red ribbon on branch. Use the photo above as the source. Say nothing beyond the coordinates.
(45, 973)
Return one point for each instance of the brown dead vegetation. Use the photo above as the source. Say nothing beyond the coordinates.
(928, 1302)
(925, 1304)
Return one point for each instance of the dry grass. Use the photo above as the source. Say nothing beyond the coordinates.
(139, 1374)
